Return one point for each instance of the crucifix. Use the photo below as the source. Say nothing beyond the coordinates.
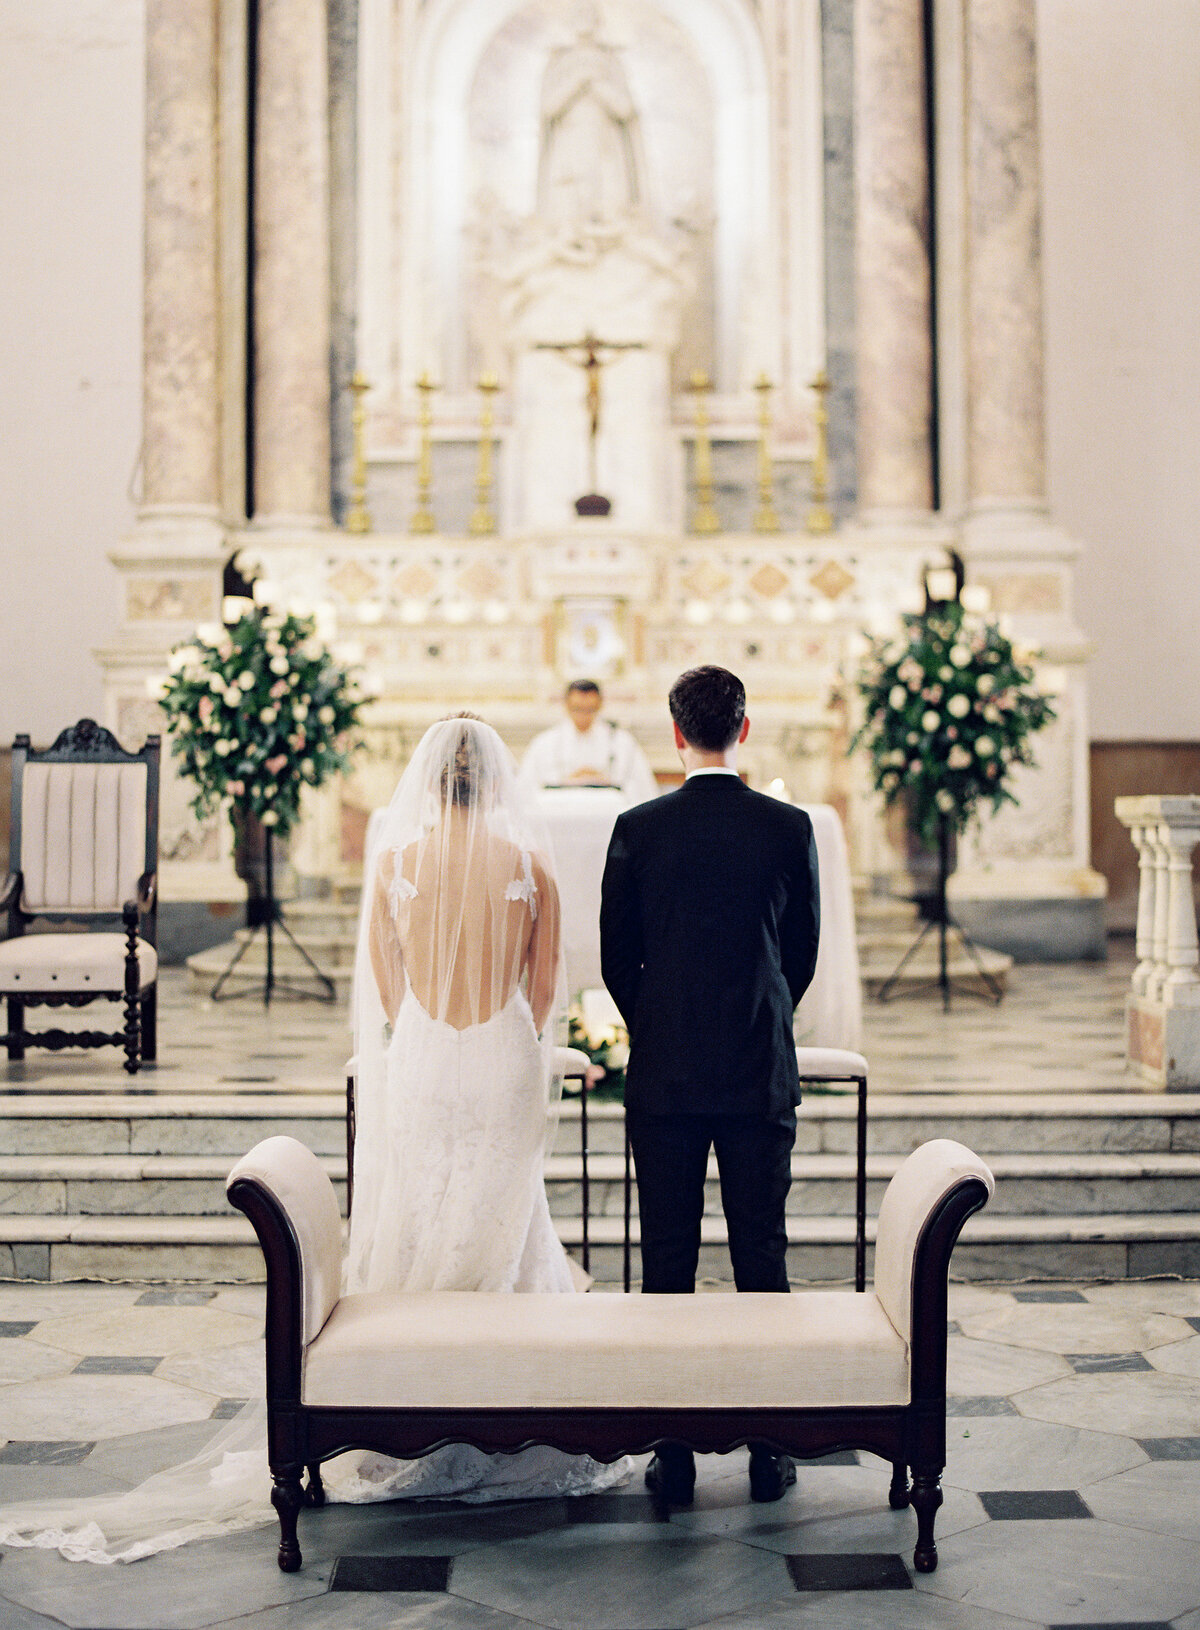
(587, 354)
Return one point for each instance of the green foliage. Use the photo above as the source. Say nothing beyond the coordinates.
(950, 709)
(606, 1044)
(257, 712)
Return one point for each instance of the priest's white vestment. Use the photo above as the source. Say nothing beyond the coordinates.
(555, 755)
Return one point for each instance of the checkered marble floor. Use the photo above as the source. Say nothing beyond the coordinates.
(1072, 1490)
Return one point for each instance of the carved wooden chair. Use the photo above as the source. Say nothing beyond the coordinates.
(84, 848)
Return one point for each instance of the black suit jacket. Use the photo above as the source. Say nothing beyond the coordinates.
(708, 938)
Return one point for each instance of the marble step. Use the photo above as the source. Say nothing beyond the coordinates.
(822, 1185)
(153, 1122)
(209, 1250)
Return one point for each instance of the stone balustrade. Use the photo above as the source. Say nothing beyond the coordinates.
(1163, 1008)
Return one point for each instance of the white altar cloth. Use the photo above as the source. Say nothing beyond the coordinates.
(830, 1012)
(580, 822)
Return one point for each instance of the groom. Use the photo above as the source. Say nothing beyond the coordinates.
(709, 921)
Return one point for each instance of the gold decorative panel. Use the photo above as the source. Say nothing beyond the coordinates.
(768, 580)
(480, 580)
(353, 581)
(415, 582)
(1018, 592)
(706, 579)
(832, 579)
(170, 599)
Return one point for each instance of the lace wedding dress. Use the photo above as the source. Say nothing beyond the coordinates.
(458, 979)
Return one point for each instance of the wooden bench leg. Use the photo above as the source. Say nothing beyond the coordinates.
(926, 1498)
(899, 1495)
(314, 1494)
(287, 1497)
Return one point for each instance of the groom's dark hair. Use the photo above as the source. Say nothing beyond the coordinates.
(708, 705)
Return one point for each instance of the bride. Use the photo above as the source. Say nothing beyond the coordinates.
(458, 980)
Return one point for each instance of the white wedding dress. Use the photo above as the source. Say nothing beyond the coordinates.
(459, 944)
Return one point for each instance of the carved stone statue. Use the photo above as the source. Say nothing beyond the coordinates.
(589, 169)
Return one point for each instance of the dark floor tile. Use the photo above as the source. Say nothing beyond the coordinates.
(227, 1408)
(980, 1406)
(1048, 1296)
(118, 1364)
(1170, 1448)
(849, 1571)
(37, 1452)
(609, 1508)
(1194, 1321)
(1106, 1363)
(238, 1080)
(174, 1298)
(424, 1573)
(1033, 1505)
(953, 1328)
(1116, 1624)
(16, 1327)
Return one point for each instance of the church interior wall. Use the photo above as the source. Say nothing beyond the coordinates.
(71, 78)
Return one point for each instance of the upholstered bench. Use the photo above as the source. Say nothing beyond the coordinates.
(604, 1374)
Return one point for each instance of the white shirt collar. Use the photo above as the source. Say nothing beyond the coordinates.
(711, 769)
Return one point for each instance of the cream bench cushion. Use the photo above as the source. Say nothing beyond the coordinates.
(480, 1350)
(71, 963)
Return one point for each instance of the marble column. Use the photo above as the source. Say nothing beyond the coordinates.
(291, 268)
(180, 369)
(1005, 432)
(892, 262)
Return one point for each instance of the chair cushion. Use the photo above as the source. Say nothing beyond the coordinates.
(829, 1064)
(71, 963)
(474, 1349)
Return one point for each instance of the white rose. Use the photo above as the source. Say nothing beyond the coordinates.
(897, 696)
(306, 766)
(300, 710)
(222, 748)
(270, 818)
(945, 673)
(985, 684)
(912, 738)
(943, 800)
(930, 721)
(992, 713)
(216, 683)
(269, 715)
(985, 747)
(279, 664)
(245, 680)
(618, 1056)
(326, 714)
(958, 757)
(960, 656)
(959, 706)
(914, 766)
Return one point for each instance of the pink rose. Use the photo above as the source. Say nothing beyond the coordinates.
(237, 788)
(276, 764)
(204, 708)
(296, 742)
(278, 689)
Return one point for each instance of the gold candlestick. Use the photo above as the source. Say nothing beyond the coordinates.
(765, 518)
(704, 517)
(483, 519)
(358, 517)
(819, 518)
(422, 519)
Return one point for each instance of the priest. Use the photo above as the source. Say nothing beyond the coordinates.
(584, 750)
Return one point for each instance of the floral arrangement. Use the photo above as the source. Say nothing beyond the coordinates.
(950, 708)
(594, 1027)
(257, 712)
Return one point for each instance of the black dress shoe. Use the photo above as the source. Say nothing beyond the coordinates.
(671, 1478)
(770, 1474)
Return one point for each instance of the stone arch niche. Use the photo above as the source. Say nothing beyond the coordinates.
(718, 258)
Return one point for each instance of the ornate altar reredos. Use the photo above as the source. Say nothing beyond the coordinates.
(600, 206)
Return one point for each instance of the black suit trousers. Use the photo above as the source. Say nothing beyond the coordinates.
(670, 1154)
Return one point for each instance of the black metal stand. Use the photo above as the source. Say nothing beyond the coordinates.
(945, 924)
(271, 918)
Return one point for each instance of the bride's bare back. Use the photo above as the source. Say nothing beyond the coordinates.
(465, 917)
